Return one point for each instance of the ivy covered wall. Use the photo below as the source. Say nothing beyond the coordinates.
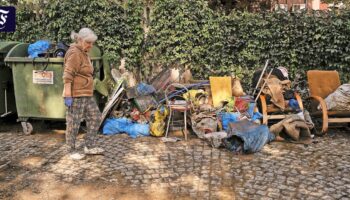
(117, 24)
(189, 34)
(209, 42)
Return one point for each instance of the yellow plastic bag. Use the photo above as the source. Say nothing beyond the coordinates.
(192, 96)
(158, 126)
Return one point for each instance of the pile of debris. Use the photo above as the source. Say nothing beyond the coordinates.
(218, 110)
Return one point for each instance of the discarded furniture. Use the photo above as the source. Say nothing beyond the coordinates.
(177, 103)
(272, 112)
(321, 84)
(221, 89)
(277, 89)
(115, 98)
(145, 103)
(161, 81)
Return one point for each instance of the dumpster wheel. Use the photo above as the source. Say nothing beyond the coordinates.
(27, 128)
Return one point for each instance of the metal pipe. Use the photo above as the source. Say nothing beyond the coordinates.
(261, 75)
(268, 76)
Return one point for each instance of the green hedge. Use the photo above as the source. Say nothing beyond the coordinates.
(118, 25)
(187, 33)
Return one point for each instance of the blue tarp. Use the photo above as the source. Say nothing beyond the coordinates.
(122, 125)
(253, 136)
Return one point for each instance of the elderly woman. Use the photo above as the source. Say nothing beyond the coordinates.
(78, 93)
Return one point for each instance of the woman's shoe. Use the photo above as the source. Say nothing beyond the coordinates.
(76, 156)
(93, 151)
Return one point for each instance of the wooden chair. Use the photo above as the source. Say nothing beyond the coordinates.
(272, 112)
(177, 103)
(321, 84)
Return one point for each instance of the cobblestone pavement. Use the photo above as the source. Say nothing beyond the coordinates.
(181, 170)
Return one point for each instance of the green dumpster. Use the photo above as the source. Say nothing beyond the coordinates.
(7, 96)
(38, 84)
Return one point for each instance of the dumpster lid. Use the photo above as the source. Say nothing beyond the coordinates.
(7, 46)
(19, 53)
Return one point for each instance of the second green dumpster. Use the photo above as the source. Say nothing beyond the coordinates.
(7, 96)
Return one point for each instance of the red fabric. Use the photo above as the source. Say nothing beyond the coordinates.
(241, 104)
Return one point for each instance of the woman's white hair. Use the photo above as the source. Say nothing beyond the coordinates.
(84, 34)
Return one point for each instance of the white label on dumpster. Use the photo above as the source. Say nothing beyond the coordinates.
(42, 77)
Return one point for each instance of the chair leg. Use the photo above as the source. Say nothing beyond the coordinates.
(169, 119)
(324, 122)
(185, 120)
(265, 119)
(264, 109)
(300, 102)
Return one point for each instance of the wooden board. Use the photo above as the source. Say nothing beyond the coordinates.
(221, 89)
(112, 101)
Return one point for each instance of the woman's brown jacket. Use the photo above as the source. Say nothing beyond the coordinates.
(78, 73)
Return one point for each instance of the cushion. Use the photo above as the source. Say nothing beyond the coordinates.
(322, 83)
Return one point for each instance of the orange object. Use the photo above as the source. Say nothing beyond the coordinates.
(321, 84)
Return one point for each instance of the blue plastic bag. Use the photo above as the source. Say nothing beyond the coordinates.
(256, 116)
(251, 107)
(38, 47)
(144, 89)
(294, 104)
(122, 125)
(226, 118)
